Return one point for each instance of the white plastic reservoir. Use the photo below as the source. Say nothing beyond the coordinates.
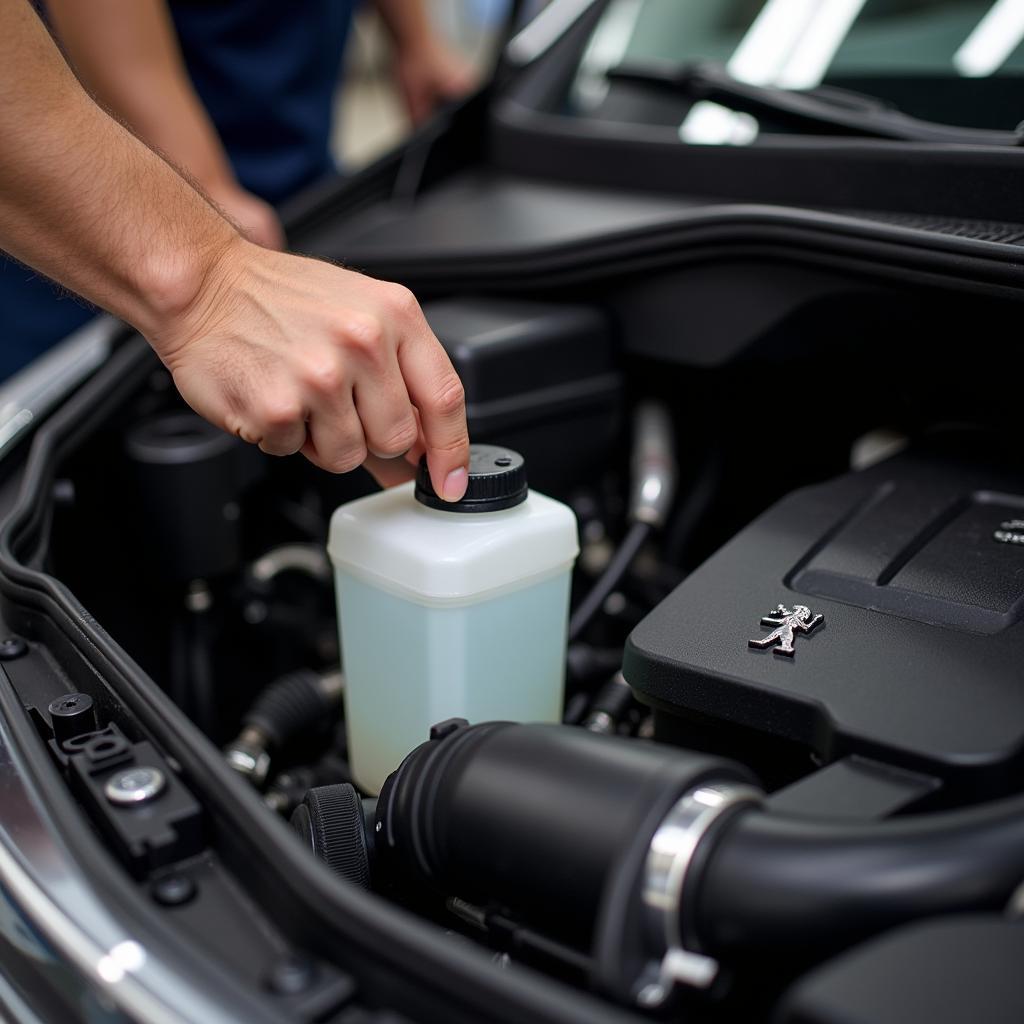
(450, 611)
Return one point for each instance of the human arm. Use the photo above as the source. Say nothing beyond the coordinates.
(126, 54)
(428, 72)
(290, 353)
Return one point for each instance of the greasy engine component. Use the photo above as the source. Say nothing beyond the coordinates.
(889, 603)
(534, 370)
(288, 707)
(587, 839)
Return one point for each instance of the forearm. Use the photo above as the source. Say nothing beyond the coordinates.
(126, 54)
(271, 347)
(406, 20)
(83, 200)
(428, 71)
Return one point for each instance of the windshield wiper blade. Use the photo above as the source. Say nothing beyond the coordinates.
(822, 110)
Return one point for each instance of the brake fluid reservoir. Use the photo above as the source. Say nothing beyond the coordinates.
(450, 610)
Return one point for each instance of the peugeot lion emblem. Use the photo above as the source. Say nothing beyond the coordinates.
(788, 624)
(1010, 532)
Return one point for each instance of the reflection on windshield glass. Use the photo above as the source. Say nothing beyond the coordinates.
(896, 49)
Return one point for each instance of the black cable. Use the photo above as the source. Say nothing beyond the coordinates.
(609, 580)
(201, 682)
(694, 507)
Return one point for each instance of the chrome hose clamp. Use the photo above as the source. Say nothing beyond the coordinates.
(669, 857)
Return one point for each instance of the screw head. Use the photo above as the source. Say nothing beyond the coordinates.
(13, 647)
(290, 976)
(173, 890)
(134, 786)
(71, 705)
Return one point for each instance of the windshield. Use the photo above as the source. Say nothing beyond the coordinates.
(955, 61)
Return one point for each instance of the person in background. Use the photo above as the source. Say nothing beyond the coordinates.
(237, 94)
(287, 353)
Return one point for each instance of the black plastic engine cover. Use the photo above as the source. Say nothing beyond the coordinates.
(534, 371)
(916, 567)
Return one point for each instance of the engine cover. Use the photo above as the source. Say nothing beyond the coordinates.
(891, 602)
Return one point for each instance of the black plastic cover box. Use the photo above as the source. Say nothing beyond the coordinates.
(916, 568)
(539, 378)
(944, 971)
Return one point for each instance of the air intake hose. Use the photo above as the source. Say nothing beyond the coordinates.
(661, 861)
(552, 822)
(779, 882)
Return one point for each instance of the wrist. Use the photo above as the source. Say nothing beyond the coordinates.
(173, 285)
(218, 182)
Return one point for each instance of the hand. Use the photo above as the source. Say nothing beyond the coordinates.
(297, 355)
(255, 218)
(429, 73)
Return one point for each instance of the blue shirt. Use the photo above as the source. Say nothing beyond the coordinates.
(266, 71)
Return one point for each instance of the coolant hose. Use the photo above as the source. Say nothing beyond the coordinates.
(777, 882)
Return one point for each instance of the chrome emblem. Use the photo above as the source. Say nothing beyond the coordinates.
(1010, 532)
(789, 624)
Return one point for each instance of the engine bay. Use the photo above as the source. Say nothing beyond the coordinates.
(728, 729)
(791, 723)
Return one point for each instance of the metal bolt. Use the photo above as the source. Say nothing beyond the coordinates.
(248, 756)
(291, 976)
(134, 786)
(173, 890)
(651, 996)
(13, 647)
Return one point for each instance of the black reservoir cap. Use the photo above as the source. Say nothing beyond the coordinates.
(497, 480)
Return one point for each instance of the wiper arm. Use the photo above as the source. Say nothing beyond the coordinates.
(823, 110)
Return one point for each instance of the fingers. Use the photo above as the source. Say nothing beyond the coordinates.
(298, 355)
(389, 472)
(277, 427)
(437, 393)
(335, 439)
(384, 409)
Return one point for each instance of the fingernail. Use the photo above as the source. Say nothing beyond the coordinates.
(455, 484)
